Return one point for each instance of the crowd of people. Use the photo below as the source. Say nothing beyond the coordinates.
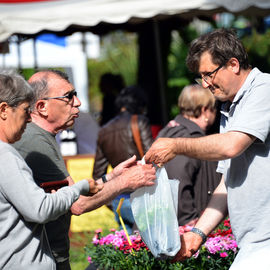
(219, 174)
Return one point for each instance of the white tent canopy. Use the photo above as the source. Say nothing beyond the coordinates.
(33, 16)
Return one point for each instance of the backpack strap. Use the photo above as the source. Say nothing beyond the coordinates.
(136, 134)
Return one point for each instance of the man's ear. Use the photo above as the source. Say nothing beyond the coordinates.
(3, 110)
(234, 65)
(41, 107)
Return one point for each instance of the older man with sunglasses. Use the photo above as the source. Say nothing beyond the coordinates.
(242, 148)
(56, 108)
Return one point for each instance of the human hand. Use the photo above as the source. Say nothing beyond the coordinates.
(120, 168)
(161, 151)
(94, 187)
(138, 176)
(78, 207)
(190, 244)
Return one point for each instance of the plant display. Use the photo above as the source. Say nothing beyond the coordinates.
(114, 251)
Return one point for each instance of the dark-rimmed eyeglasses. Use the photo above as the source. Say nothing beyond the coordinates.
(69, 96)
(208, 77)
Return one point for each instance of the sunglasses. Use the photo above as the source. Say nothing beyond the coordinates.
(69, 96)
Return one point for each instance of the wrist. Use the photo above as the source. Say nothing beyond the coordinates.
(110, 176)
(200, 233)
(122, 183)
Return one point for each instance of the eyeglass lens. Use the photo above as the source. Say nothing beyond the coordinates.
(71, 94)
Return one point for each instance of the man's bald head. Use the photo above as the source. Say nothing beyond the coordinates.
(46, 74)
(41, 81)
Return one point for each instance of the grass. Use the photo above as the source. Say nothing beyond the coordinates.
(78, 241)
(101, 218)
(86, 224)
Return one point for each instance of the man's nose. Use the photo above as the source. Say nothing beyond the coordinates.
(77, 102)
(205, 84)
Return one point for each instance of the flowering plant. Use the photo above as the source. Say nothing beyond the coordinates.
(114, 252)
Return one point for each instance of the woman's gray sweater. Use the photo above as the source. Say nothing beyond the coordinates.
(24, 208)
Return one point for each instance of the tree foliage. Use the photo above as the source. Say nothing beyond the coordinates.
(119, 54)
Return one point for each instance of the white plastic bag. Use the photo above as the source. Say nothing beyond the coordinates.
(154, 209)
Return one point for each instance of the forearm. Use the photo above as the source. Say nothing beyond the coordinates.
(214, 147)
(216, 210)
(122, 179)
(85, 204)
(212, 216)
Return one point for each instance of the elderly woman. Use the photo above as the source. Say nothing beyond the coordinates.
(25, 207)
(198, 178)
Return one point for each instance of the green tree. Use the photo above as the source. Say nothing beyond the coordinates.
(119, 55)
(178, 73)
(258, 47)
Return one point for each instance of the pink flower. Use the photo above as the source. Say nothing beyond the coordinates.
(218, 244)
(95, 240)
(223, 254)
(89, 259)
(98, 231)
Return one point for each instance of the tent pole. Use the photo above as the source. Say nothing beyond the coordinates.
(83, 42)
(161, 81)
(35, 54)
(4, 60)
(19, 54)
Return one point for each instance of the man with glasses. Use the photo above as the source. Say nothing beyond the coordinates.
(242, 148)
(55, 109)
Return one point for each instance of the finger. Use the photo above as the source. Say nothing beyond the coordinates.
(147, 157)
(178, 258)
(100, 187)
(149, 171)
(96, 189)
(129, 161)
(147, 166)
(150, 179)
(149, 183)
